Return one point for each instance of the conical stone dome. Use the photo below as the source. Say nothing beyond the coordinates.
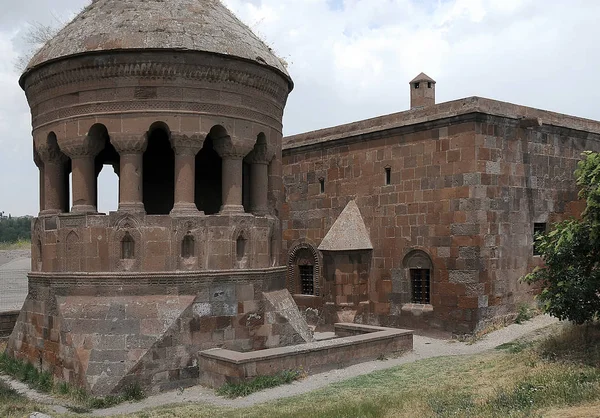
(192, 25)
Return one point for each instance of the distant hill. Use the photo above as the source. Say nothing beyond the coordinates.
(13, 229)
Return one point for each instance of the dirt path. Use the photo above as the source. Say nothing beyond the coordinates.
(424, 347)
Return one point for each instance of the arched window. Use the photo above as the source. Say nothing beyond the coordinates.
(419, 271)
(187, 246)
(127, 247)
(303, 270)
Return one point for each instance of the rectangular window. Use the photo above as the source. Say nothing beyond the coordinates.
(307, 280)
(388, 175)
(429, 84)
(539, 228)
(417, 85)
(322, 184)
(419, 279)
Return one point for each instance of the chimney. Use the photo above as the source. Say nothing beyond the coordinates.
(422, 91)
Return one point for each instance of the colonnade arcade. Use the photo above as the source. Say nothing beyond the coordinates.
(160, 172)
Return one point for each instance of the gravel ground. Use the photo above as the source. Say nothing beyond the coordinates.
(424, 347)
(14, 266)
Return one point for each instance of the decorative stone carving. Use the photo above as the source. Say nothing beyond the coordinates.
(261, 154)
(187, 145)
(230, 147)
(82, 146)
(129, 143)
(48, 151)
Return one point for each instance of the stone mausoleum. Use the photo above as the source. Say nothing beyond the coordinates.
(426, 218)
(185, 103)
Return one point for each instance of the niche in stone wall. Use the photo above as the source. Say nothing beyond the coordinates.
(188, 246)
(127, 247)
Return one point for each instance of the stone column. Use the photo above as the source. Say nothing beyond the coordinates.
(259, 160)
(186, 148)
(40, 165)
(83, 152)
(131, 151)
(232, 152)
(52, 185)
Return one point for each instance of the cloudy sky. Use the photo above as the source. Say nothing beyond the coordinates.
(352, 59)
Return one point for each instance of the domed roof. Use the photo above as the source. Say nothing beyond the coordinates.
(193, 25)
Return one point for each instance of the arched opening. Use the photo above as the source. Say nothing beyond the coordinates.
(303, 270)
(208, 192)
(418, 273)
(65, 195)
(107, 180)
(127, 247)
(246, 184)
(187, 246)
(159, 172)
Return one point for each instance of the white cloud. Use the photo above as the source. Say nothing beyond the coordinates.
(353, 59)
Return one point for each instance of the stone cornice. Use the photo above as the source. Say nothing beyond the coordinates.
(135, 277)
(130, 65)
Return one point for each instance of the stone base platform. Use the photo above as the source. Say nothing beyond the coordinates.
(104, 332)
(354, 344)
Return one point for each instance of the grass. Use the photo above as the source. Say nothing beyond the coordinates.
(19, 245)
(13, 404)
(79, 400)
(235, 390)
(556, 377)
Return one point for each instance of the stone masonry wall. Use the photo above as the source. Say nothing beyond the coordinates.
(465, 190)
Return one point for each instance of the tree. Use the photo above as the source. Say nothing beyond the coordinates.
(570, 278)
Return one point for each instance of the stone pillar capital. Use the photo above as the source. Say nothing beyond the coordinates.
(49, 152)
(187, 144)
(84, 146)
(129, 143)
(261, 154)
(229, 147)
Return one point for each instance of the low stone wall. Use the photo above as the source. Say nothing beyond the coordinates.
(356, 344)
(7, 322)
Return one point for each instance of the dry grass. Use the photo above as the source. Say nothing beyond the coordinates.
(19, 245)
(521, 380)
(557, 377)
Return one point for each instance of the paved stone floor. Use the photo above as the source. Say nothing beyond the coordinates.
(14, 266)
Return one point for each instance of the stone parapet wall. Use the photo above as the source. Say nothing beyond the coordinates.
(7, 322)
(355, 344)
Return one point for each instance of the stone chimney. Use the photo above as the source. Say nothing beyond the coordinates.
(422, 91)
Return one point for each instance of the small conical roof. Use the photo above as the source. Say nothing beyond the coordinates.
(348, 233)
(193, 25)
(422, 77)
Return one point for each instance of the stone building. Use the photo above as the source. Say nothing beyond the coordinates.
(426, 218)
(186, 106)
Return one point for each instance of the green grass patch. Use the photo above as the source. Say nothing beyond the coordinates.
(515, 346)
(80, 401)
(235, 390)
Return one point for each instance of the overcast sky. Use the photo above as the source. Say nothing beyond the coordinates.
(353, 59)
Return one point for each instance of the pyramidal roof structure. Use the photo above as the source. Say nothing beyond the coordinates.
(348, 233)
(422, 77)
(185, 25)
